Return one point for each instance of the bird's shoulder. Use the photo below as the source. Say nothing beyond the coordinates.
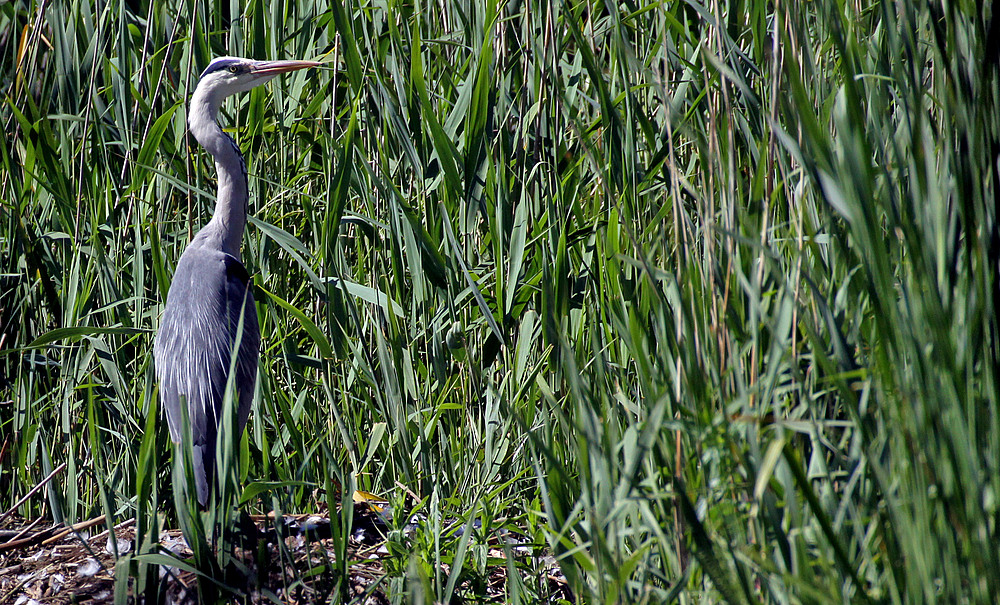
(208, 262)
(208, 287)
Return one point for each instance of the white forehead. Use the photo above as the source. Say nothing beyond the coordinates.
(220, 63)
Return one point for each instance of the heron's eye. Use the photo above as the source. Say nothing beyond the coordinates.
(233, 69)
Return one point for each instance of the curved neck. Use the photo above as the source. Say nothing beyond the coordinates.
(225, 230)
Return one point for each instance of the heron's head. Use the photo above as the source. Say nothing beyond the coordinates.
(227, 76)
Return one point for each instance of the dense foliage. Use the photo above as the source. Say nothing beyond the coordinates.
(700, 297)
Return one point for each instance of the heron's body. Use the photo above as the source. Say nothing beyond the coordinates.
(194, 349)
(210, 309)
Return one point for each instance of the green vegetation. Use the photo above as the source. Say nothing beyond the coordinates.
(699, 297)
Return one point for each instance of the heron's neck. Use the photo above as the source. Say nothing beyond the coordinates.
(225, 230)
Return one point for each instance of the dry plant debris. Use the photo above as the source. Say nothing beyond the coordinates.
(49, 564)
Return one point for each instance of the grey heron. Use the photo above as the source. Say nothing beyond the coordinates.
(210, 293)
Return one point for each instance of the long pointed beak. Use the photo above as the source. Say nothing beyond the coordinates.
(273, 68)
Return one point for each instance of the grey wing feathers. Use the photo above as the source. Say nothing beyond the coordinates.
(194, 345)
(246, 362)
